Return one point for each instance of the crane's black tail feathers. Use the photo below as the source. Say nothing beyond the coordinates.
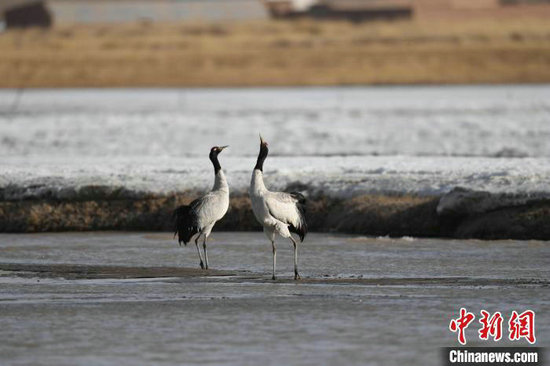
(301, 230)
(184, 224)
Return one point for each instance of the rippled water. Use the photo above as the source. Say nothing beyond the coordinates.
(247, 319)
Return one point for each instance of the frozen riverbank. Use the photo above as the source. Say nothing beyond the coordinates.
(418, 196)
(378, 161)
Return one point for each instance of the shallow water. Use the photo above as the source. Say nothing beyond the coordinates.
(377, 301)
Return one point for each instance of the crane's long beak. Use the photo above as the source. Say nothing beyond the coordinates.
(262, 140)
(223, 147)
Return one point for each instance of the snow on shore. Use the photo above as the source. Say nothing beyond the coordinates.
(343, 177)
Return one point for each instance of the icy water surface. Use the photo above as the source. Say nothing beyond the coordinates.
(127, 298)
(506, 121)
(336, 141)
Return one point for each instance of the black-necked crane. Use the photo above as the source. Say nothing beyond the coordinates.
(200, 216)
(280, 213)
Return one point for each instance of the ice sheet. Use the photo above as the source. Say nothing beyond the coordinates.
(336, 141)
(64, 177)
(417, 121)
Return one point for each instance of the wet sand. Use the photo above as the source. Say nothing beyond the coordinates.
(137, 298)
(90, 272)
(75, 271)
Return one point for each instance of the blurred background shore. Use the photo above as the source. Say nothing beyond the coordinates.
(79, 43)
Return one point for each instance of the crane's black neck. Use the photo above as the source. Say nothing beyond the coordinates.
(215, 162)
(261, 157)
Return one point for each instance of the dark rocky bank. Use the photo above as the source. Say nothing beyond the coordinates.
(458, 214)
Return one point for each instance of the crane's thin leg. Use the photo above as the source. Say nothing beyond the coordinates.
(205, 252)
(274, 259)
(296, 274)
(198, 250)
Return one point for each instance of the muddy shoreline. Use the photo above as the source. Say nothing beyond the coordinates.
(460, 213)
(82, 271)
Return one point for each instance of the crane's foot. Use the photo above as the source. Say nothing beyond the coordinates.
(297, 276)
(273, 277)
(207, 266)
(202, 265)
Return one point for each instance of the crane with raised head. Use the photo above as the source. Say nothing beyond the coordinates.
(199, 217)
(279, 213)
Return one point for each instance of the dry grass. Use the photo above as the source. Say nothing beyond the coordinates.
(276, 53)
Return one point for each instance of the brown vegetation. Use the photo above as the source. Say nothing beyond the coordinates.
(377, 215)
(276, 53)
